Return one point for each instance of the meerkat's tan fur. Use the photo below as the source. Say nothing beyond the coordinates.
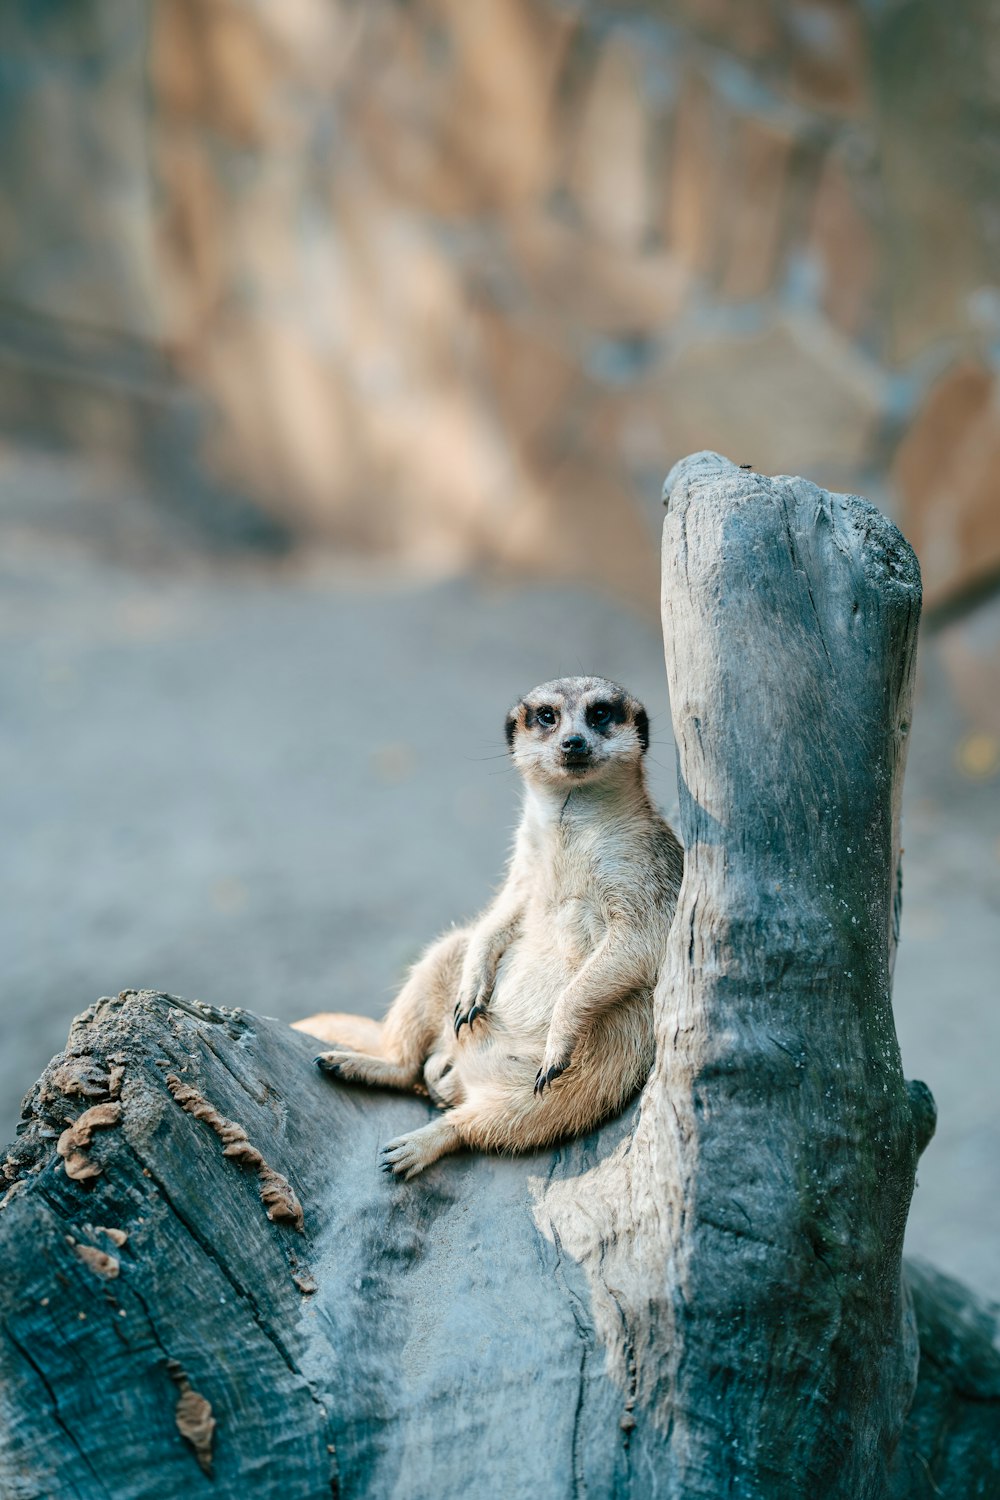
(535, 1022)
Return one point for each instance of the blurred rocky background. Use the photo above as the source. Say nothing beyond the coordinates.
(343, 350)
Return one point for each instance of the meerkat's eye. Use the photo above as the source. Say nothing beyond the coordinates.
(599, 714)
(545, 716)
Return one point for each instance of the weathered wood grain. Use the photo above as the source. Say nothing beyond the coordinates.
(225, 1297)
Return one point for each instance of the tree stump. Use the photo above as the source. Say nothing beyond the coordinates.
(209, 1289)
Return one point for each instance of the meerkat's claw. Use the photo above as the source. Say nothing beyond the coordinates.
(462, 1013)
(546, 1075)
(329, 1062)
(469, 1014)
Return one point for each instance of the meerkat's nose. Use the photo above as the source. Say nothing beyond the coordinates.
(574, 743)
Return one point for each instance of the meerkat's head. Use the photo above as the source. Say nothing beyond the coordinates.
(576, 729)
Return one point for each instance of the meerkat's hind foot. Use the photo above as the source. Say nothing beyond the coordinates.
(331, 1062)
(409, 1154)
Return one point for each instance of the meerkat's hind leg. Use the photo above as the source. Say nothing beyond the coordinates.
(362, 1067)
(409, 1154)
(360, 1054)
(391, 1054)
(442, 1081)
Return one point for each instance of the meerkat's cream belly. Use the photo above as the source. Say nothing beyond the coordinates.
(528, 985)
(551, 948)
(575, 927)
(508, 1047)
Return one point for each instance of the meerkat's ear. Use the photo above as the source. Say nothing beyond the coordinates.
(642, 727)
(510, 727)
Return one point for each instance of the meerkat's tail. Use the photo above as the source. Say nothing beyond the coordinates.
(360, 1033)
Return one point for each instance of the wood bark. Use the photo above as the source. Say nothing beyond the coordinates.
(208, 1288)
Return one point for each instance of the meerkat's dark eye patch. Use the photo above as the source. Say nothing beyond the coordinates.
(510, 728)
(545, 716)
(607, 712)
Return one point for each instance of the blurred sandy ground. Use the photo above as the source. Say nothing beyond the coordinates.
(344, 345)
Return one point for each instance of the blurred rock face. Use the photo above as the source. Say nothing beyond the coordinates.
(457, 280)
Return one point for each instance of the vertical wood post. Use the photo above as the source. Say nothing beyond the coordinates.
(778, 1118)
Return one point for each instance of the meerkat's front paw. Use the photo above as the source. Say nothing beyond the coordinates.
(469, 1010)
(555, 1062)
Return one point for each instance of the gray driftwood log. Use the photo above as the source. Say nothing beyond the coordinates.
(208, 1289)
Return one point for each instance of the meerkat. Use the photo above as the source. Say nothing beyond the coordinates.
(535, 1022)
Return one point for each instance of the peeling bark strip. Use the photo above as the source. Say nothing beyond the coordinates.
(98, 1261)
(72, 1144)
(276, 1192)
(194, 1418)
(84, 1076)
(116, 1236)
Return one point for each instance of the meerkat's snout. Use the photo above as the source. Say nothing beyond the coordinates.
(576, 750)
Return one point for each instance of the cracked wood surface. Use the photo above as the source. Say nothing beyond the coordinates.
(701, 1299)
